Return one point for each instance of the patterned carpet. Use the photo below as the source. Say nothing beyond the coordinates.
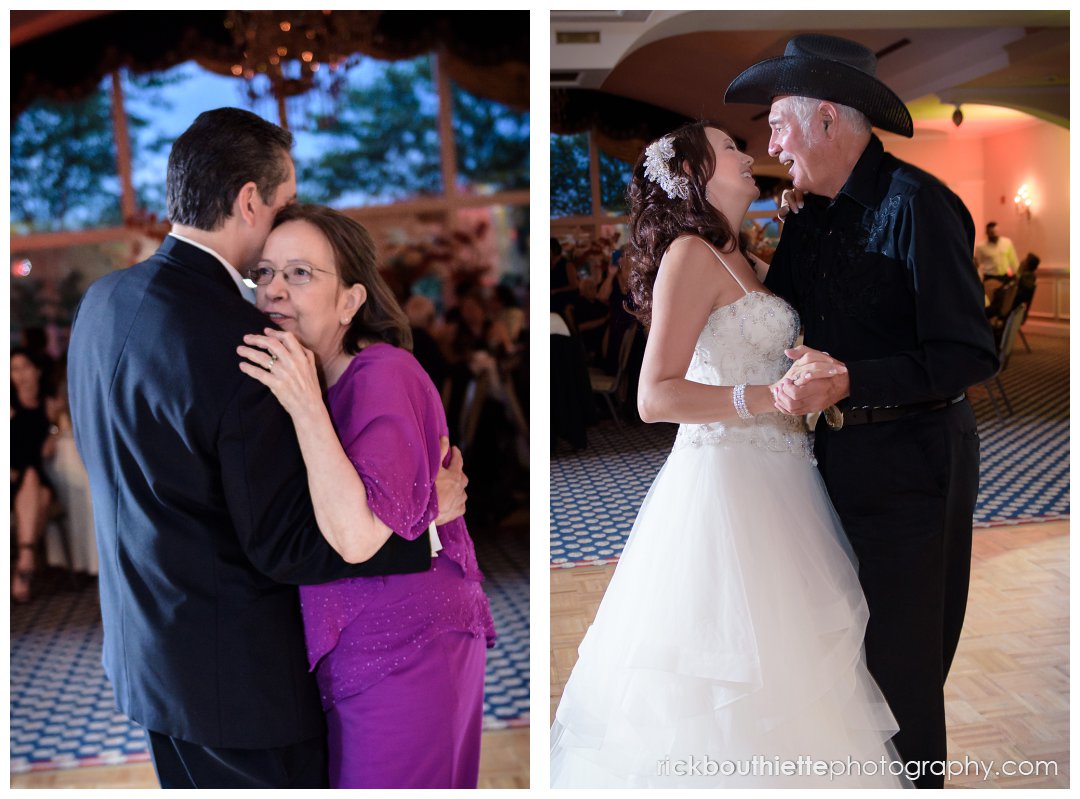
(62, 712)
(1024, 475)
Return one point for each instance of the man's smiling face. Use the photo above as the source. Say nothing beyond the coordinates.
(788, 143)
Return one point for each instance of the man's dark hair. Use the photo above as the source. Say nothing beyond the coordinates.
(556, 246)
(221, 151)
(990, 225)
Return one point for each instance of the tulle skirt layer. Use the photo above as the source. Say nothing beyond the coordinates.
(731, 633)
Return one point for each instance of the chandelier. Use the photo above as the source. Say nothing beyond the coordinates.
(289, 48)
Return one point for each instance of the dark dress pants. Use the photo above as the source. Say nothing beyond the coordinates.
(182, 764)
(905, 491)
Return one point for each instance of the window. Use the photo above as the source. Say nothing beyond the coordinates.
(376, 142)
(159, 107)
(63, 166)
(570, 193)
(614, 179)
(491, 143)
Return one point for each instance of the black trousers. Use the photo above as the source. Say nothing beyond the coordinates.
(905, 491)
(182, 764)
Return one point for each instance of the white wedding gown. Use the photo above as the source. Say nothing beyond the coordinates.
(732, 628)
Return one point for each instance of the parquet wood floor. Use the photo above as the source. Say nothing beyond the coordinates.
(504, 763)
(1007, 697)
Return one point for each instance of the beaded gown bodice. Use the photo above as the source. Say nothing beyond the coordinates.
(744, 342)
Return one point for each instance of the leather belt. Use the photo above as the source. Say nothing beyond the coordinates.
(891, 413)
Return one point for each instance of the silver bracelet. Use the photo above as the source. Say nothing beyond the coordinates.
(738, 397)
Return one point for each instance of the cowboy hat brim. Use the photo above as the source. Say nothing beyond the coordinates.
(822, 79)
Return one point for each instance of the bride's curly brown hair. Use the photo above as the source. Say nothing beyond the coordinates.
(657, 220)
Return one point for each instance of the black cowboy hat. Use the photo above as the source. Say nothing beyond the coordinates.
(825, 68)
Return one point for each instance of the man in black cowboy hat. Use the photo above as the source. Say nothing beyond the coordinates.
(878, 264)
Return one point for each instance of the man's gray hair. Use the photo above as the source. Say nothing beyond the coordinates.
(804, 109)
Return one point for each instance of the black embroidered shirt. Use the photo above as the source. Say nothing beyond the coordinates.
(883, 279)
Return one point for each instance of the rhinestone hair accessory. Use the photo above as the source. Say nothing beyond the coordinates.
(657, 170)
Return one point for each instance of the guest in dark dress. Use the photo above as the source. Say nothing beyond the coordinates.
(590, 315)
(399, 659)
(31, 491)
(615, 291)
(421, 313)
(563, 278)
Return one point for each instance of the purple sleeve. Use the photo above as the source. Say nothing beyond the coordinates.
(390, 429)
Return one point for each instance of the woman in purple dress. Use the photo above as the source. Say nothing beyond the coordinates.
(399, 659)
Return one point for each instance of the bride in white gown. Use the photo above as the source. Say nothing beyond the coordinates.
(727, 650)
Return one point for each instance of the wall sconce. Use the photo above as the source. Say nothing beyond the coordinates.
(1022, 201)
(957, 116)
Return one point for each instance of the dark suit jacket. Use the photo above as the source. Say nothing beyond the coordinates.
(204, 523)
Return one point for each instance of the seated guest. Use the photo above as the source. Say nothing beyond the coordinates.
(31, 490)
(564, 278)
(1026, 292)
(421, 313)
(506, 310)
(590, 316)
(35, 340)
(72, 485)
(615, 291)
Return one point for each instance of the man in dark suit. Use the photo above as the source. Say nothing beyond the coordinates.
(203, 519)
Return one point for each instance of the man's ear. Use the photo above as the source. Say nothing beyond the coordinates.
(245, 203)
(828, 115)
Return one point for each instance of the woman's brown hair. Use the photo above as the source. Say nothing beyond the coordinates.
(380, 317)
(656, 220)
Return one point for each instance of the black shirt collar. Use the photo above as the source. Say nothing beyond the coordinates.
(861, 184)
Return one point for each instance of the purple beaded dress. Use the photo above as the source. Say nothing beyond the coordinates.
(400, 659)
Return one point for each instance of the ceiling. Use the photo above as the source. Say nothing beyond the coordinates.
(1002, 67)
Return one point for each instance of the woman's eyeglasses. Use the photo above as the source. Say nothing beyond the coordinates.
(295, 274)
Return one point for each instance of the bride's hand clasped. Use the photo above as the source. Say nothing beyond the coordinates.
(815, 381)
(281, 363)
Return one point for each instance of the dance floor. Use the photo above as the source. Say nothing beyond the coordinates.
(62, 713)
(595, 493)
(1007, 696)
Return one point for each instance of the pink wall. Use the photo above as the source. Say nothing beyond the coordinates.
(983, 170)
(956, 161)
(1037, 155)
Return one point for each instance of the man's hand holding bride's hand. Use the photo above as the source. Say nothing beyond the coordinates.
(815, 381)
(281, 363)
(450, 484)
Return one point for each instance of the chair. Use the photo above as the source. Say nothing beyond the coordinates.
(608, 385)
(1002, 298)
(1001, 305)
(1008, 339)
(476, 395)
(1026, 292)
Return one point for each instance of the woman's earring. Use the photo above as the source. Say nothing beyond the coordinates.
(346, 321)
(707, 194)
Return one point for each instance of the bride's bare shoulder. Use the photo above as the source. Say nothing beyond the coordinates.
(689, 248)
